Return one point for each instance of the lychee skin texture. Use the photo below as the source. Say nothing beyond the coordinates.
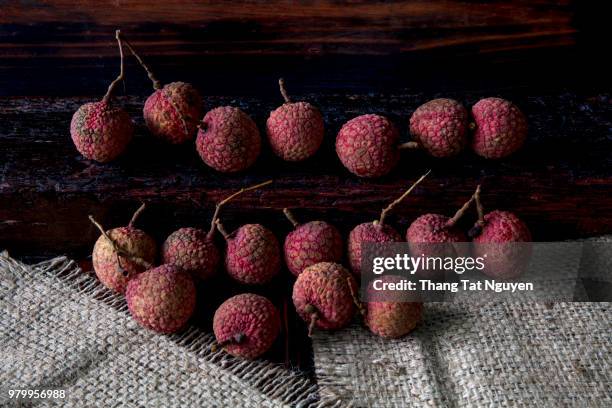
(253, 255)
(368, 145)
(109, 267)
(501, 128)
(252, 317)
(391, 319)
(503, 260)
(229, 140)
(193, 251)
(162, 299)
(172, 113)
(101, 132)
(295, 131)
(325, 286)
(440, 126)
(368, 232)
(311, 243)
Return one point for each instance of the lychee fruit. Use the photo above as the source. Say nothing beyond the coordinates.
(324, 296)
(295, 129)
(162, 299)
(228, 140)
(375, 232)
(311, 243)
(440, 127)
(194, 250)
(99, 130)
(368, 145)
(121, 253)
(253, 255)
(503, 239)
(387, 314)
(500, 128)
(246, 325)
(171, 112)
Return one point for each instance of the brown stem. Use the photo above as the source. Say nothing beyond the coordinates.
(222, 230)
(235, 339)
(384, 212)
(156, 84)
(120, 251)
(283, 90)
(137, 214)
(409, 145)
(290, 217)
(460, 213)
(113, 85)
(477, 228)
(314, 316)
(213, 222)
(356, 299)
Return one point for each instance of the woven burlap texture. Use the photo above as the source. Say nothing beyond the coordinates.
(70, 333)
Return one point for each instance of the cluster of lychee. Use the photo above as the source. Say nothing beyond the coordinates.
(325, 294)
(228, 140)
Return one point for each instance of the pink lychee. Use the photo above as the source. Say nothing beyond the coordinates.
(324, 296)
(192, 250)
(440, 127)
(161, 299)
(228, 140)
(172, 112)
(368, 145)
(246, 325)
(373, 232)
(500, 128)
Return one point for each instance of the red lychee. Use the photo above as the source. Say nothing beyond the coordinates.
(121, 253)
(387, 314)
(99, 130)
(500, 128)
(311, 243)
(228, 140)
(375, 232)
(252, 256)
(295, 129)
(368, 145)
(440, 127)
(324, 296)
(161, 299)
(246, 325)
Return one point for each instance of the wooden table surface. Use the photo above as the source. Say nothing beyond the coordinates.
(386, 58)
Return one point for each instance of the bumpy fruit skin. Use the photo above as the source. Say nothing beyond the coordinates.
(500, 230)
(393, 318)
(368, 145)
(368, 232)
(253, 255)
(162, 299)
(311, 243)
(251, 317)
(100, 131)
(172, 113)
(431, 229)
(325, 287)
(295, 131)
(440, 126)
(501, 128)
(109, 267)
(229, 140)
(193, 251)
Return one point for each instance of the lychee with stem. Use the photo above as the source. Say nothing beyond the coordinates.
(252, 255)
(503, 239)
(101, 130)
(172, 112)
(499, 128)
(228, 140)
(375, 232)
(324, 296)
(194, 250)
(311, 243)
(295, 129)
(246, 325)
(440, 127)
(121, 253)
(162, 299)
